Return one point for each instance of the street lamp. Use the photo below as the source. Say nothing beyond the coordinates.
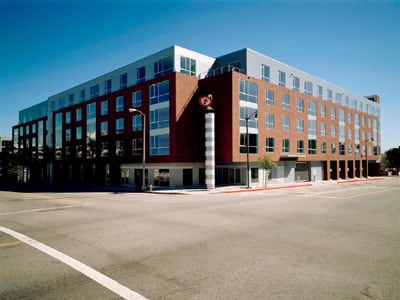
(248, 145)
(366, 155)
(133, 110)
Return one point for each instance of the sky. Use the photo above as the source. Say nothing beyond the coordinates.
(47, 46)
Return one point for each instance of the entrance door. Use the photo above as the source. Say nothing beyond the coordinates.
(187, 177)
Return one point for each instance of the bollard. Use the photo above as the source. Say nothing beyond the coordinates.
(150, 188)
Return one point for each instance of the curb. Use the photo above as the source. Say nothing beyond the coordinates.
(268, 188)
(359, 180)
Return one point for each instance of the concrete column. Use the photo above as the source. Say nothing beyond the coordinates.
(210, 148)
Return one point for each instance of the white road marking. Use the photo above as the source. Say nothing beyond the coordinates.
(100, 278)
(39, 209)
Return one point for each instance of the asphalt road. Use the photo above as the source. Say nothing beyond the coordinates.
(327, 241)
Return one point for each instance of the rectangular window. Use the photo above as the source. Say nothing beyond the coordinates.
(253, 143)
(346, 101)
(349, 134)
(349, 149)
(119, 103)
(285, 123)
(323, 129)
(137, 147)
(333, 131)
(78, 114)
(94, 91)
(356, 119)
(285, 101)
(269, 144)
(123, 81)
(68, 135)
(342, 148)
(300, 126)
(349, 117)
(329, 95)
(159, 118)
(104, 128)
(312, 108)
(34, 128)
(319, 91)
(119, 125)
(104, 108)
(339, 98)
(285, 145)
(70, 100)
(323, 147)
(78, 151)
(269, 121)
(282, 78)
(323, 111)
(137, 123)
(296, 83)
(300, 146)
(137, 99)
(341, 133)
(300, 105)
(312, 127)
(159, 92)
(140, 74)
(250, 114)
(341, 115)
(159, 144)
(91, 111)
(248, 91)
(333, 113)
(68, 117)
(163, 66)
(107, 86)
(265, 73)
(119, 148)
(269, 97)
(308, 88)
(312, 146)
(104, 149)
(78, 133)
(82, 95)
(188, 66)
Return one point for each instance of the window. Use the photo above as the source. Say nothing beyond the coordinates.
(323, 147)
(107, 86)
(265, 73)
(312, 146)
(282, 78)
(137, 147)
(137, 99)
(312, 127)
(68, 135)
(188, 66)
(91, 111)
(269, 144)
(353, 104)
(356, 119)
(119, 103)
(285, 123)
(308, 88)
(300, 105)
(248, 112)
(78, 133)
(349, 134)
(323, 129)
(94, 91)
(341, 115)
(342, 148)
(285, 145)
(159, 118)
(70, 100)
(159, 144)
(349, 149)
(333, 113)
(33, 128)
(82, 96)
(104, 149)
(339, 98)
(300, 126)
(319, 91)
(104, 108)
(341, 133)
(346, 101)
(285, 101)
(68, 117)
(123, 81)
(248, 91)
(323, 111)
(269, 97)
(137, 123)
(104, 128)
(312, 108)
(269, 121)
(296, 83)
(119, 148)
(333, 131)
(159, 92)
(119, 126)
(253, 143)
(140, 74)
(349, 117)
(329, 95)
(300, 146)
(163, 66)
(333, 148)
(78, 114)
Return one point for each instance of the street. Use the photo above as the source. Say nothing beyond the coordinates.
(325, 241)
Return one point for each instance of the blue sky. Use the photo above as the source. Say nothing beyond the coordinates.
(49, 46)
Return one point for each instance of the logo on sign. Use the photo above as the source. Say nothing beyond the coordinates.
(205, 101)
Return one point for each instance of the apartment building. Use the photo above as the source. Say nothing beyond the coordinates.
(312, 129)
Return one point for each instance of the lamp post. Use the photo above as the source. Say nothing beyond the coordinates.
(248, 146)
(133, 110)
(366, 156)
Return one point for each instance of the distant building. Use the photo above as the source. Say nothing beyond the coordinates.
(5, 143)
(313, 129)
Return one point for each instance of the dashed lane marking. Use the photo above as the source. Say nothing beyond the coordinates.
(100, 278)
(371, 193)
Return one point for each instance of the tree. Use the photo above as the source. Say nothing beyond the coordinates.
(266, 164)
(393, 158)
